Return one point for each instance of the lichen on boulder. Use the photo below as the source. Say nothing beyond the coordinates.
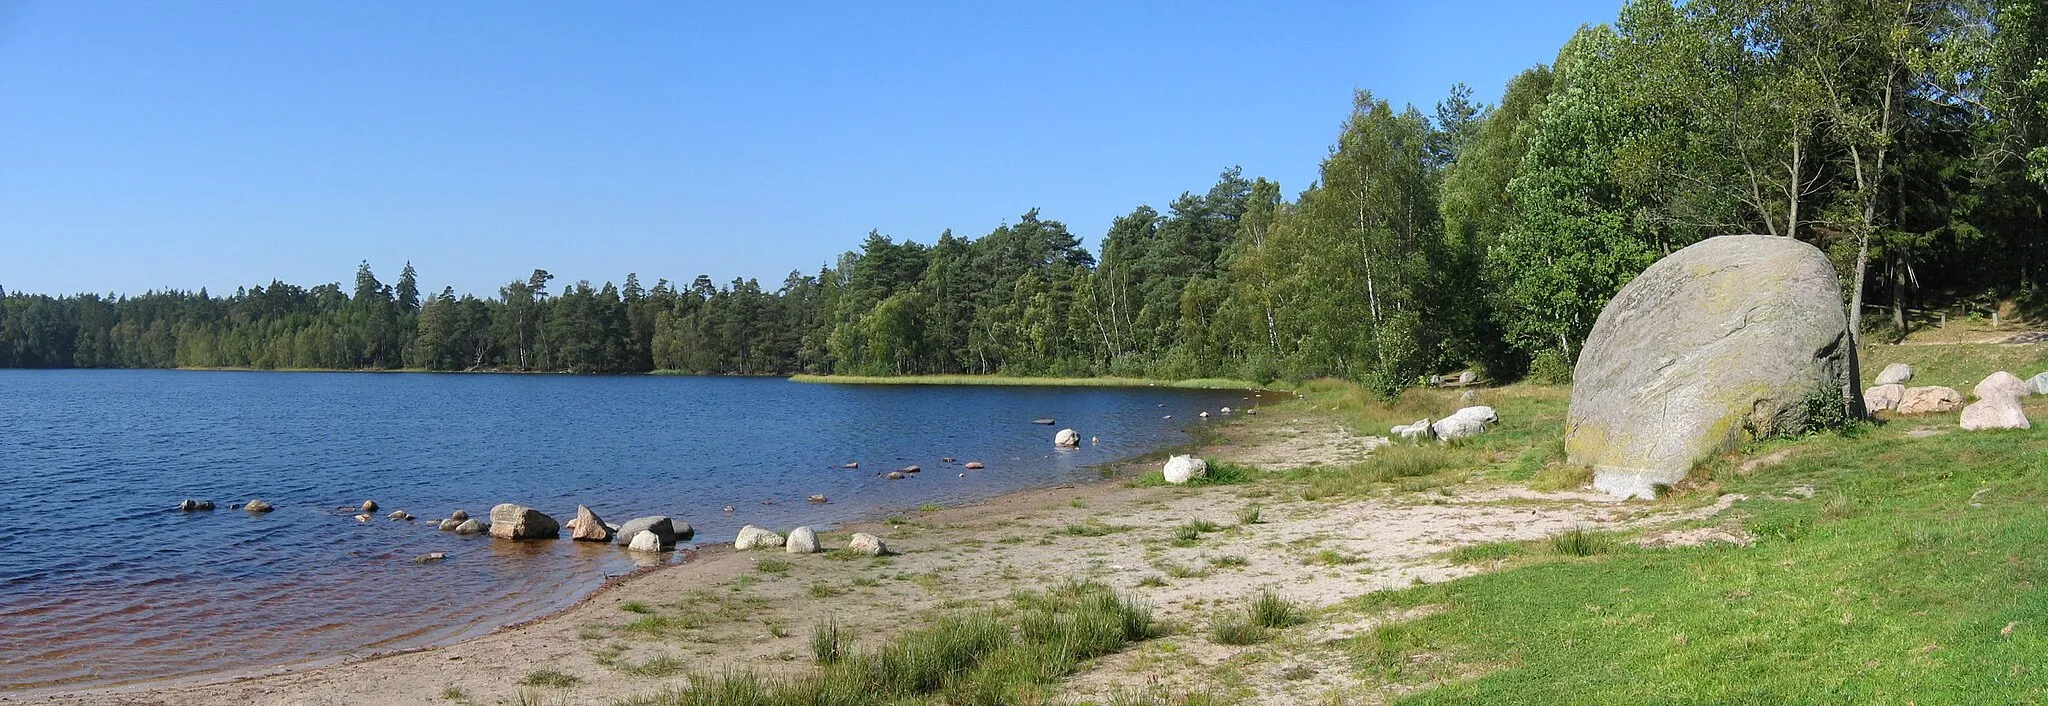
(1724, 339)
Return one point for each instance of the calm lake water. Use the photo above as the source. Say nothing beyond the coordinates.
(103, 581)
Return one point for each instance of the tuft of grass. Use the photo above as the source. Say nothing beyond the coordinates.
(1183, 572)
(454, 693)
(930, 507)
(1332, 557)
(1228, 561)
(1580, 542)
(1152, 581)
(636, 607)
(1249, 515)
(1186, 533)
(661, 666)
(1269, 610)
(820, 589)
(829, 642)
(772, 566)
(550, 678)
(667, 625)
(1236, 628)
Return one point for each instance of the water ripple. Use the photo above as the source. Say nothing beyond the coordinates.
(106, 583)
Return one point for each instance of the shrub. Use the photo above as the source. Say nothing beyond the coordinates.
(1550, 368)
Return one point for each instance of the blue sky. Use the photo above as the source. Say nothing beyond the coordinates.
(216, 144)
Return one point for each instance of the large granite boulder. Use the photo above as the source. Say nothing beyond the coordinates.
(1455, 428)
(1724, 337)
(663, 527)
(1481, 413)
(1184, 467)
(1929, 400)
(2039, 383)
(1998, 404)
(2002, 385)
(587, 527)
(511, 521)
(1895, 374)
(2001, 413)
(1884, 397)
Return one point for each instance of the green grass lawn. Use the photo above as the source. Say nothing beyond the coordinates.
(1959, 365)
(1895, 583)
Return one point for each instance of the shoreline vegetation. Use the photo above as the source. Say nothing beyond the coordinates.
(1023, 381)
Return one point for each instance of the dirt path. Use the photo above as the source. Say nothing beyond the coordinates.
(754, 610)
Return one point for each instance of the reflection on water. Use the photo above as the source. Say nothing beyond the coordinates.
(104, 581)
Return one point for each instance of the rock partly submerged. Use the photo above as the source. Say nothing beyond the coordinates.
(663, 527)
(645, 541)
(1727, 335)
(588, 527)
(1067, 439)
(514, 521)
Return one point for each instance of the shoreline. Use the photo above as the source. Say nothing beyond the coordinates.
(1027, 381)
(1109, 473)
(731, 611)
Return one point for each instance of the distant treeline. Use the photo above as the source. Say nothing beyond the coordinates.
(1908, 139)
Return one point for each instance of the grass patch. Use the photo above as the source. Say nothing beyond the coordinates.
(820, 589)
(1093, 528)
(1269, 610)
(1579, 542)
(997, 655)
(661, 666)
(1236, 628)
(667, 625)
(1888, 585)
(1249, 515)
(1228, 561)
(772, 566)
(550, 678)
(1332, 557)
(1152, 581)
(1183, 572)
(829, 642)
(1486, 553)
(636, 607)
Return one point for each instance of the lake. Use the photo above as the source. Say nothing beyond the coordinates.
(106, 582)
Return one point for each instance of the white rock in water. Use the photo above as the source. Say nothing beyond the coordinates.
(1225, 410)
(802, 540)
(1884, 397)
(1895, 374)
(1732, 330)
(645, 541)
(1067, 439)
(752, 537)
(470, 526)
(1183, 468)
(864, 543)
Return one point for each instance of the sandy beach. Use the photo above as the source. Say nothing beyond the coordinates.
(731, 610)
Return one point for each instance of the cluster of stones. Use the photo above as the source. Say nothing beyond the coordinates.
(1465, 423)
(1998, 404)
(804, 540)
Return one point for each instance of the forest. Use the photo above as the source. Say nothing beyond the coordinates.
(1906, 138)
